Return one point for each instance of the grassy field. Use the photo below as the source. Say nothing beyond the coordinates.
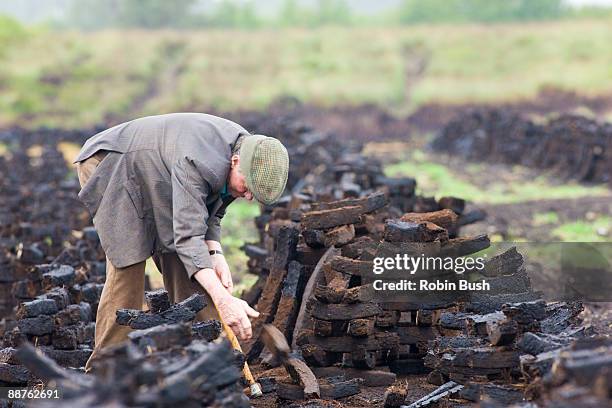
(437, 179)
(71, 79)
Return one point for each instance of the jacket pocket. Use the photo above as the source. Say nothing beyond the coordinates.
(92, 191)
(133, 189)
(89, 197)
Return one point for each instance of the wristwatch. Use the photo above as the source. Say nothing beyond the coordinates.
(215, 252)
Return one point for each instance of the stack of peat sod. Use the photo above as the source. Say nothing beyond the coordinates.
(339, 322)
(573, 147)
(475, 347)
(346, 316)
(579, 375)
(39, 208)
(371, 338)
(58, 301)
(494, 349)
(59, 321)
(169, 360)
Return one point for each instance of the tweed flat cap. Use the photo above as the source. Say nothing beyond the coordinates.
(264, 161)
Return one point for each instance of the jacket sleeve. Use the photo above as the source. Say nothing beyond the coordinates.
(214, 228)
(190, 216)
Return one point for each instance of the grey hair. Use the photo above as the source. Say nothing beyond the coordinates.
(238, 144)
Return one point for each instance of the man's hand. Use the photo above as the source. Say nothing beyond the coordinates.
(233, 311)
(223, 272)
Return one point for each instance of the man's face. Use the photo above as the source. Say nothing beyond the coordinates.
(236, 182)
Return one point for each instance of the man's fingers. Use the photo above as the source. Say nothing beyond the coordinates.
(236, 329)
(226, 279)
(242, 329)
(249, 310)
(249, 333)
(220, 276)
(229, 287)
(225, 276)
(246, 328)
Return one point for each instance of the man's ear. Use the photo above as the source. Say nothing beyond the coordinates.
(235, 160)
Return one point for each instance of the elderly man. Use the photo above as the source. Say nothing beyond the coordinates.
(158, 186)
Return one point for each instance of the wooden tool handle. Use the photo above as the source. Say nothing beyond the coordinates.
(236, 345)
(246, 371)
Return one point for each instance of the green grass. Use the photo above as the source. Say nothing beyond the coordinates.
(238, 228)
(155, 277)
(585, 231)
(546, 218)
(69, 79)
(437, 179)
(63, 80)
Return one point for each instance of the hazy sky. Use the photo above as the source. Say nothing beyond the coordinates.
(590, 2)
(40, 10)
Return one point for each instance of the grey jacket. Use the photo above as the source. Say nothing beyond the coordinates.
(158, 188)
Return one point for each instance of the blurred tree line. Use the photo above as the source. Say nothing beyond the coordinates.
(96, 14)
(453, 11)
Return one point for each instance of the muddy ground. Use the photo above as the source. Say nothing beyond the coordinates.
(417, 386)
(369, 123)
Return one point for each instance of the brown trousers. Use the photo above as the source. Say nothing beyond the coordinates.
(124, 287)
